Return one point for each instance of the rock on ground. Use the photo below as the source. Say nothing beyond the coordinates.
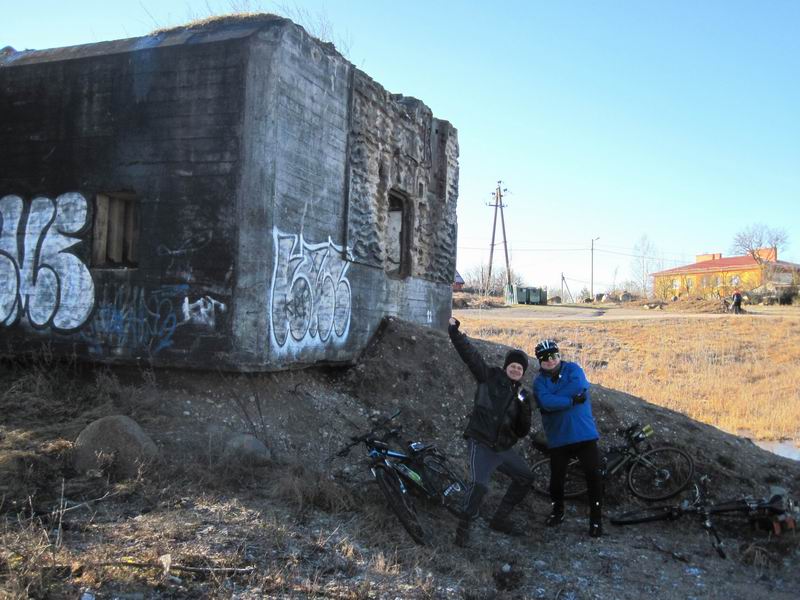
(117, 437)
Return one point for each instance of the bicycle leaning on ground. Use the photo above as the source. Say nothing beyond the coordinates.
(777, 511)
(652, 473)
(420, 472)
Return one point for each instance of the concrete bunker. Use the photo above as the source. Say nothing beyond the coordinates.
(231, 195)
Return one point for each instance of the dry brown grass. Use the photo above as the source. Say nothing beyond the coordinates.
(738, 374)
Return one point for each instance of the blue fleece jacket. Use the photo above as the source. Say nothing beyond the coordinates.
(564, 423)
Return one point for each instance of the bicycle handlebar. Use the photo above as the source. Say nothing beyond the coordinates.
(355, 440)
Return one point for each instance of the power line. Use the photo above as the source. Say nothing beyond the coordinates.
(654, 258)
(528, 249)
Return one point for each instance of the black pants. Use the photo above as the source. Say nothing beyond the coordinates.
(483, 461)
(589, 458)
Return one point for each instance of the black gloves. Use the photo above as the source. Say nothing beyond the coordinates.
(454, 325)
(579, 398)
(523, 395)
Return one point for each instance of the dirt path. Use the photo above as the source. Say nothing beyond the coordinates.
(613, 313)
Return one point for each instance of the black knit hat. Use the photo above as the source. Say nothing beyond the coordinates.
(516, 356)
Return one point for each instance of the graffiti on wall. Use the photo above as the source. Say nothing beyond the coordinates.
(204, 311)
(180, 257)
(310, 300)
(132, 319)
(39, 278)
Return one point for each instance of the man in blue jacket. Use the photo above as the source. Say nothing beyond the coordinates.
(562, 395)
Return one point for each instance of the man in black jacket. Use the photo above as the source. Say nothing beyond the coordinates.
(501, 414)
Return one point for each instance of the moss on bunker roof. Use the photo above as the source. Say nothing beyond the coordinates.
(217, 21)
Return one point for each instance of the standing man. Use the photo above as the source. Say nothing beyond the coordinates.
(501, 414)
(736, 302)
(562, 394)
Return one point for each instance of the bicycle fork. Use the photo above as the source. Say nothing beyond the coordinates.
(400, 483)
(713, 536)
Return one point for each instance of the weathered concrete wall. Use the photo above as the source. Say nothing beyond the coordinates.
(162, 123)
(343, 143)
(262, 163)
(398, 145)
(309, 300)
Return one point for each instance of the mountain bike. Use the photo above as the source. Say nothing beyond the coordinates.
(652, 473)
(422, 471)
(777, 512)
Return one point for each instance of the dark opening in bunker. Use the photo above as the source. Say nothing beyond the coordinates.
(116, 230)
(398, 251)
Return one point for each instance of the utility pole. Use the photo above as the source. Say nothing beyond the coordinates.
(564, 283)
(498, 204)
(591, 284)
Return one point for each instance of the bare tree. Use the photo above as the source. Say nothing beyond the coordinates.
(475, 279)
(755, 237)
(644, 262)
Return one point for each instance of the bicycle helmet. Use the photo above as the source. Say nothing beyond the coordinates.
(546, 348)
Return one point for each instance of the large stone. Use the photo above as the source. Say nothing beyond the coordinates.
(246, 450)
(117, 440)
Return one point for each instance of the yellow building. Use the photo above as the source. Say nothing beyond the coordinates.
(712, 275)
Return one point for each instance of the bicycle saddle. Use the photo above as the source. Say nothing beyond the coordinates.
(379, 444)
(420, 447)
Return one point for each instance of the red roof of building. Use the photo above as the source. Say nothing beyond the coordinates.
(725, 264)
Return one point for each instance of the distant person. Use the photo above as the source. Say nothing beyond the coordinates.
(562, 395)
(501, 414)
(736, 302)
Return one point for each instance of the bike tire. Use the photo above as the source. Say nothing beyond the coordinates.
(574, 483)
(660, 473)
(449, 487)
(401, 503)
(649, 514)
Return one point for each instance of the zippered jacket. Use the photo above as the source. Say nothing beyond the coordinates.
(498, 417)
(563, 422)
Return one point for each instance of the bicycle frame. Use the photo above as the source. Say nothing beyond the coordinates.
(778, 509)
(422, 469)
(382, 456)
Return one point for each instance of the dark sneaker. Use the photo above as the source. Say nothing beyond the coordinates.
(504, 525)
(595, 520)
(595, 529)
(556, 518)
(462, 533)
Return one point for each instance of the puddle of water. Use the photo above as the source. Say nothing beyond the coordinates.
(787, 449)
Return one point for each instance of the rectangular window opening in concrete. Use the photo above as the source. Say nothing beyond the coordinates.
(398, 255)
(116, 231)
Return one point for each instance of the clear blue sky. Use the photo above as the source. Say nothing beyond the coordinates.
(677, 120)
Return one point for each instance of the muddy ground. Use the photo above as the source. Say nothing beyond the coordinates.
(313, 525)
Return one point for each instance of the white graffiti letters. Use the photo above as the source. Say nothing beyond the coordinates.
(203, 311)
(310, 301)
(38, 277)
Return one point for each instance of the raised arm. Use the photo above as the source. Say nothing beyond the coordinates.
(467, 352)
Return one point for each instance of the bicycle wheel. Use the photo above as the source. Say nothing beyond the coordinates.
(646, 515)
(449, 487)
(574, 483)
(661, 473)
(401, 503)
